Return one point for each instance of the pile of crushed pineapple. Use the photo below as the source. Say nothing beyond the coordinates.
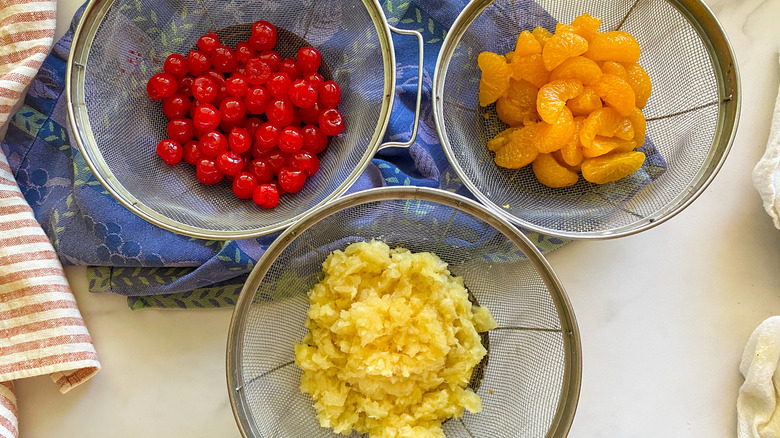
(392, 343)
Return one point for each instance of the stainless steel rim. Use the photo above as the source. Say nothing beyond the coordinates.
(730, 97)
(573, 370)
(84, 138)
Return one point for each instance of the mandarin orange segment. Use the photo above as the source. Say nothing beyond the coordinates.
(616, 93)
(519, 150)
(501, 139)
(571, 152)
(639, 124)
(604, 145)
(562, 27)
(561, 47)
(552, 173)
(615, 46)
(527, 45)
(541, 34)
(495, 77)
(586, 25)
(620, 145)
(531, 68)
(518, 105)
(585, 103)
(625, 130)
(552, 97)
(551, 137)
(612, 166)
(615, 69)
(605, 122)
(640, 82)
(586, 88)
(579, 68)
(559, 158)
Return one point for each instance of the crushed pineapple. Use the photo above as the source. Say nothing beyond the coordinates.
(392, 343)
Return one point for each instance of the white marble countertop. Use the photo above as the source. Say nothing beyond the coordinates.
(664, 315)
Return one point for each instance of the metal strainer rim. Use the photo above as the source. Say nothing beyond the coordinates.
(572, 376)
(80, 125)
(727, 74)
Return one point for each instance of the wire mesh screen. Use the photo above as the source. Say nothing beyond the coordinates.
(524, 381)
(130, 45)
(682, 139)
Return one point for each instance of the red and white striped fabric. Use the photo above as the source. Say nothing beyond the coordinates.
(41, 329)
(26, 33)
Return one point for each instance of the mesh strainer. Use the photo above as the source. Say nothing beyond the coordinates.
(691, 116)
(120, 44)
(531, 380)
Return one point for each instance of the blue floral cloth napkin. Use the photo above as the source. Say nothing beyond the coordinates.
(156, 268)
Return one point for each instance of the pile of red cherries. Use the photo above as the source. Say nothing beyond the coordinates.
(247, 114)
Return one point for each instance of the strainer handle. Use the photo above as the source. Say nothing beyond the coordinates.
(420, 70)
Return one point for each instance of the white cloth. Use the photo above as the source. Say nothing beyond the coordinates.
(758, 406)
(766, 174)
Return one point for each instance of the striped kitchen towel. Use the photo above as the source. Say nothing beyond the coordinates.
(41, 329)
(26, 33)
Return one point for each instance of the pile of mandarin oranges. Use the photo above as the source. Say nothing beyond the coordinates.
(573, 101)
(246, 114)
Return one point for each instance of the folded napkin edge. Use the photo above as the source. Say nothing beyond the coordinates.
(66, 378)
